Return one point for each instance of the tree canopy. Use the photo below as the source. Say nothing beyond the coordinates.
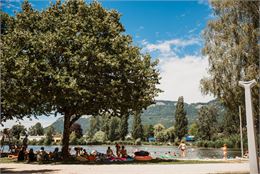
(37, 129)
(75, 59)
(232, 47)
(207, 122)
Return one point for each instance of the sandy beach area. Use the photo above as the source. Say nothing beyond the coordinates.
(210, 168)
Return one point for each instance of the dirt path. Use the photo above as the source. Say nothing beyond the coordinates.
(234, 168)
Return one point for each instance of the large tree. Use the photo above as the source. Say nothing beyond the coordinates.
(75, 59)
(123, 127)
(206, 122)
(94, 125)
(137, 131)
(181, 121)
(37, 129)
(113, 133)
(18, 130)
(232, 47)
(49, 136)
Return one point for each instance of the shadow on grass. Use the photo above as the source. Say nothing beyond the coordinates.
(9, 170)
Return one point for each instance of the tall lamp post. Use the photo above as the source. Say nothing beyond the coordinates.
(253, 159)
(241, 133)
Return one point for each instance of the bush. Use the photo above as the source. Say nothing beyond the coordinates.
(41, 141)
(33, 142)
(99, 136)
(81, 141)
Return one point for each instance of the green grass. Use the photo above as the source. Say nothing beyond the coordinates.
(7, 160)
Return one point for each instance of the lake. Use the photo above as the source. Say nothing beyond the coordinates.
(155, 151)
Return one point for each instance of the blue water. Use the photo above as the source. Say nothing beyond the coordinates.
(155, 151)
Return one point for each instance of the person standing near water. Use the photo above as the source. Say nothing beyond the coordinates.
(117, 150)
(25, 142)
(183, 148)
(224, 148)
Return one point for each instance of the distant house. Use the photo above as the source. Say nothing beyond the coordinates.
(37, 138)
(57, 138)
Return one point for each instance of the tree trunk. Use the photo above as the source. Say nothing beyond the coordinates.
(66, 136)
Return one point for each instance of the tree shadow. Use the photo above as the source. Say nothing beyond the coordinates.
(9, 170)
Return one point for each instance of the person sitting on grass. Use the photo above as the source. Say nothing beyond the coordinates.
(56, 155)
(42, 155)
(123, 152)
(109, 152)
(31, 156)
(21, 154)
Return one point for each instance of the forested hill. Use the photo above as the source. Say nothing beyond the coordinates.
(162, 112)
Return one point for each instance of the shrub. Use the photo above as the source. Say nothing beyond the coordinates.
(99, 136)
(33, 142)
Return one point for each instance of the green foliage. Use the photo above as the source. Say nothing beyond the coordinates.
(148, 131)
(194, 129)
(113, 133)
(207, 122)
(137, 131)
(99, 136)
(105, 124)
(123, 130)
(73, 58)
(73, 138)
(232, 47)
(232, 141)
(75, 127)
(17, 131)
(162, 113)
(81, 141)
(169, 134)
(95, 125)
(41, 142)
(158, 131)
(37, 129)
(33, 142)
(49, 133)
(181, 121)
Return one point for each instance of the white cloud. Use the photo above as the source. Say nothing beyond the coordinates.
(169, 47)
(181, 77)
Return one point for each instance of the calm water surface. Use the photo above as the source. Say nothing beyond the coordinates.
(156, 151)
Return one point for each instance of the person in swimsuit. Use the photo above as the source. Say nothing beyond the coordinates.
(109, 152)
(182, 148)
(224, 148)
(123, 152)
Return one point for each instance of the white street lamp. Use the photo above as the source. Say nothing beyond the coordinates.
(253, 159)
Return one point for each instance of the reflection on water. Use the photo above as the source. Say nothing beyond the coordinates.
(156, 151)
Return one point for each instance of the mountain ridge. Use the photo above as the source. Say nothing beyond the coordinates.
(162, 111)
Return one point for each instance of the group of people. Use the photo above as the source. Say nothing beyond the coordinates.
(40, 155)
(83, 155)
(120, 152)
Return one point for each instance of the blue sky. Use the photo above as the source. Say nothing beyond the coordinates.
(168, 30)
